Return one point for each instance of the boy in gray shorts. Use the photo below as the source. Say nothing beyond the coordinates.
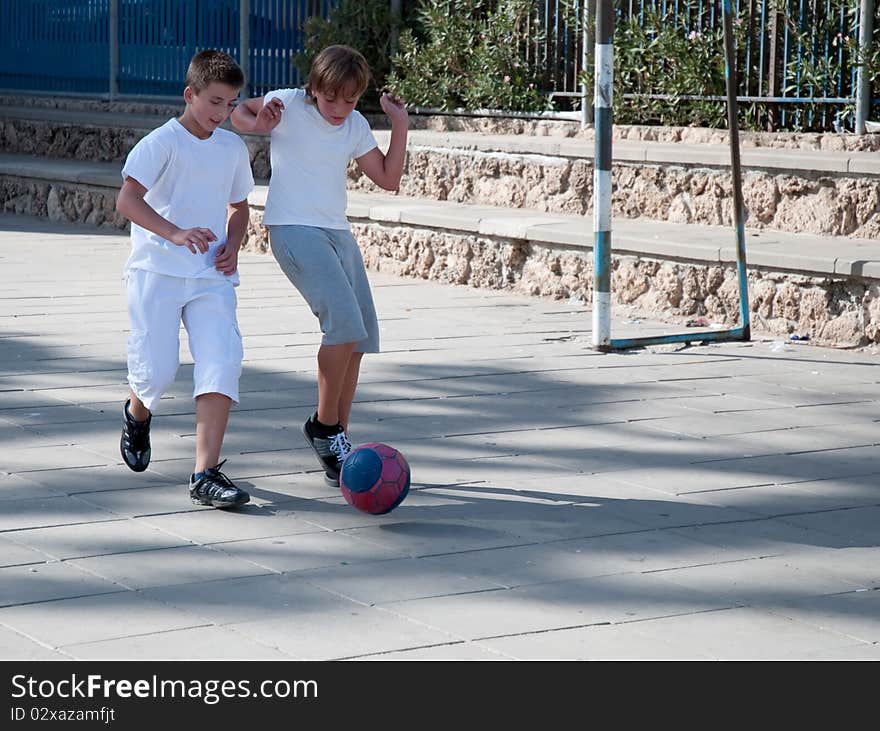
(315, 133)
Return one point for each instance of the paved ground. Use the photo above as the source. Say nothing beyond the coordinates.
(705, 502)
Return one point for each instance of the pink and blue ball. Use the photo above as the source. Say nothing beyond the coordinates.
(375, 478)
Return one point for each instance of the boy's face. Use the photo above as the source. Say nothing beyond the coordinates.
(335, 106)
(208, 109)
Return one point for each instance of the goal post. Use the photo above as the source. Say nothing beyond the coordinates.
(602, 198)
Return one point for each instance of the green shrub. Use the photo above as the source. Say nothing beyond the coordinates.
(472, 54)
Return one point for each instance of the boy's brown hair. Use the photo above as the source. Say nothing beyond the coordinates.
(209, 66)
(335, 68)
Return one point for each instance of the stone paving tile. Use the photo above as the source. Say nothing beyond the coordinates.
(15, 487)
(761, 581)
(396, 580)
(250, 599)
(356, 630)
(96, 539)
(73, 480)
(204, 643)
(858, 565)
(525, 518)
(854, 614)
(599, 642)
(47, 581)
(217, 526)
(12, 434)
(850, 526)
(790, 499)
(46, 511)
(15, 554)
(743, 633)
(559, 605)
(14, 646)
(300, 552)
(33, 460)
(859, 651)
(94, 618)
(167, 566)
(807, 440)
(453, 651)
(427, 537)
(648, 550)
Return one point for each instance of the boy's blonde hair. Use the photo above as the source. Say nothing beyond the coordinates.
(209, 66)
(335, 68)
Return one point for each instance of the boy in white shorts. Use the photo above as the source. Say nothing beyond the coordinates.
(316, 132)
(185, 188)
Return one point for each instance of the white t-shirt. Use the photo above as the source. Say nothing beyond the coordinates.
(189, 182)
(309, 159)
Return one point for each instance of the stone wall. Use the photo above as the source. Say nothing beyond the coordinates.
(831, 311)
(797, 201)
(61, 202)
(804, 202)
(67, 141)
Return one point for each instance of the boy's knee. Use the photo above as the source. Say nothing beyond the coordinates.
(219, 377)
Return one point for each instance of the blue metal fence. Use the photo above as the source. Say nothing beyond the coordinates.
(65, 45)
(54, 46)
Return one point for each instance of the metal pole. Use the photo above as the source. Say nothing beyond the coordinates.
(604, 96)
(244, 46)
(113, 40)
(863, 88)
(739, 217)
(587, 41)
(396, 11)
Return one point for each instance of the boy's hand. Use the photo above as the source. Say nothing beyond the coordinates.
(194, 238)
(226, 260)
(269, 115)
(393, 106)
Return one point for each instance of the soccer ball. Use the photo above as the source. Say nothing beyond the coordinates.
(374, 478)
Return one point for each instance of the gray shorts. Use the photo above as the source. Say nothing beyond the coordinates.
(326, 266)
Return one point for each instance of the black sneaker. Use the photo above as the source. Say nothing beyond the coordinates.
(330, 450)
(215, 488)
(135, 442)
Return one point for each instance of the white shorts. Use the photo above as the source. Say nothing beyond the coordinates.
(156, 305)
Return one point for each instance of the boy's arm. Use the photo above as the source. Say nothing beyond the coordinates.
(238, 217)
(131, 204)
(386, 170)
(254, 117)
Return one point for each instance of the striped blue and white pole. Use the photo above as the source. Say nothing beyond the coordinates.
(604, 96)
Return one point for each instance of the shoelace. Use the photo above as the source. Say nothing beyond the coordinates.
(218, 480)
(340, 445)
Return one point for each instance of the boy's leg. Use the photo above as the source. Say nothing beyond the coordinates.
(215, 344)
(136, 407)
(212, 415)
(154, 305)
(349, 386)
(326, 267)
(333, 381)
